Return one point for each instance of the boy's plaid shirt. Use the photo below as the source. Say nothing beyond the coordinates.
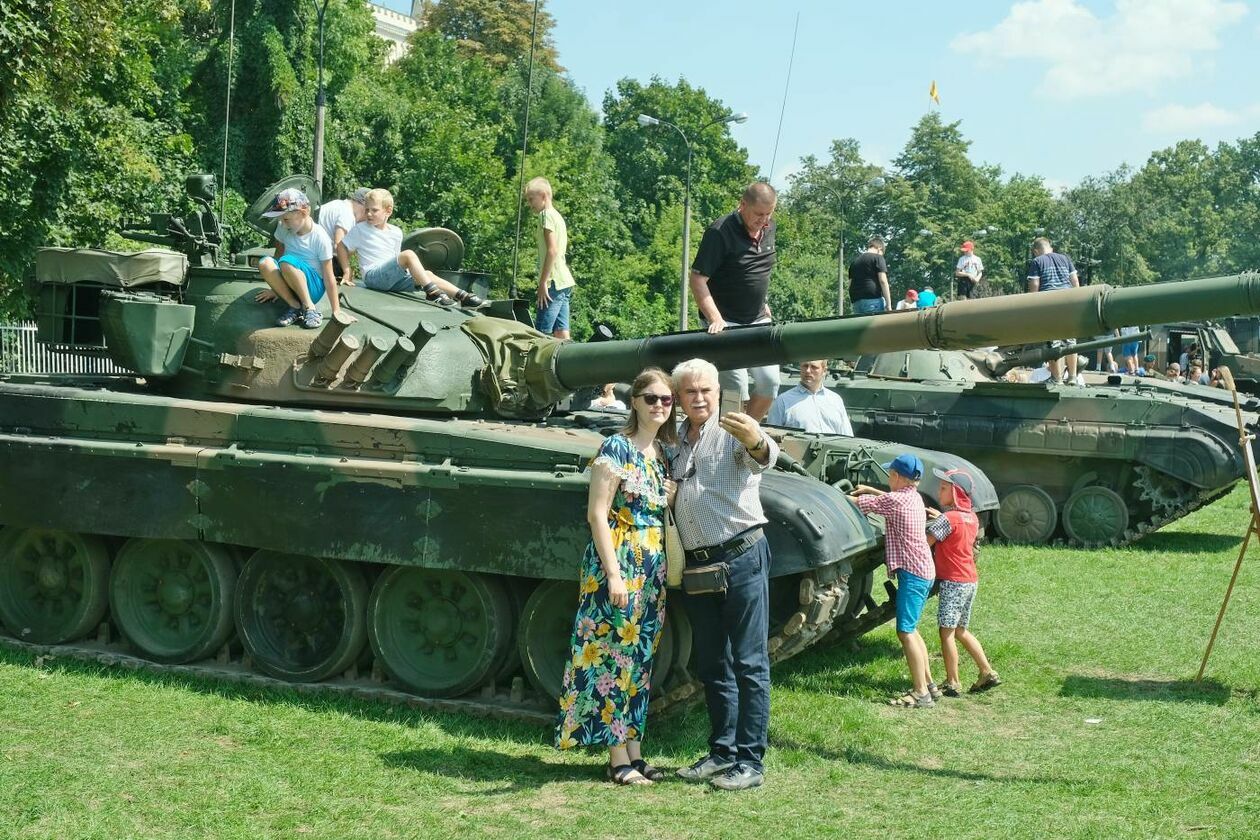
(905, 537)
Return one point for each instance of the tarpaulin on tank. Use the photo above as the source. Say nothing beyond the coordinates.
(519, 376)
(69, 266)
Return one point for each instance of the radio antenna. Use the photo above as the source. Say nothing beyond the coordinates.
(529, 94)
(783, 107)
(227, 107)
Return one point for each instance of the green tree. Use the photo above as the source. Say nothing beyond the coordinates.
(495, 30)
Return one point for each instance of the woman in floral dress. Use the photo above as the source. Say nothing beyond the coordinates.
(621, 601)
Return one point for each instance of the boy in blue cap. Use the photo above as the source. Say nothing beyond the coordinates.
(301, 272)
(910, 562)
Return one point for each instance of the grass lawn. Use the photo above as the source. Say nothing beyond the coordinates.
(1109, 636)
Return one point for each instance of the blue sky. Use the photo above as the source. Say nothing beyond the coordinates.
(1057, 88)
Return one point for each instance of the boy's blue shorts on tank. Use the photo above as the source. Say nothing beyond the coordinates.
(314, 280)
(912, 594)
(389, 277)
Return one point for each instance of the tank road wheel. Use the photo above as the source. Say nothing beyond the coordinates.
(441, 633)
(545, 631)
(301, 618)
(54, 585)
(173, 598)
(1027, 515)
(1095, 516)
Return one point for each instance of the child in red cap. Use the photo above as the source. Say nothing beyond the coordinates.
(952, 536)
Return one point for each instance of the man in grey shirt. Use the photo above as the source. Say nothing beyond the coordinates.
(718, 466)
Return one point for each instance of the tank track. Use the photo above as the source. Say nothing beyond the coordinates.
(1169, 500)
(823, 597)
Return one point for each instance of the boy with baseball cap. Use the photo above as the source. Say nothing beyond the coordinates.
(384, 265)
(909, 561)
(952, 535)
(301, 272)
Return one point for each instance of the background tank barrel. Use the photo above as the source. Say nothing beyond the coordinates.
(1035, 356)
(960, 325)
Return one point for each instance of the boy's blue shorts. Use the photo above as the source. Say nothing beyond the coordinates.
(314, 280)
(912, 594)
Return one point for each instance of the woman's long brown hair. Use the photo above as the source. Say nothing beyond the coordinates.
(668, 432)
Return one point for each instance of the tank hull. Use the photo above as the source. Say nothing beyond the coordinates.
(497, 504)
(1091, 466)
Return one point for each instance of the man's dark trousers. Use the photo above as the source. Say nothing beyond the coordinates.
(731, 656)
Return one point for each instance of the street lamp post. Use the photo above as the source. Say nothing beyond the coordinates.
(320, 101)
(645, 120)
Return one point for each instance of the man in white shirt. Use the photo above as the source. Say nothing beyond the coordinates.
(968, 270)
(337, 217)
(810, 406)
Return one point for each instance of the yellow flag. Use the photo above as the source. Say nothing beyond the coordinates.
(936, 97)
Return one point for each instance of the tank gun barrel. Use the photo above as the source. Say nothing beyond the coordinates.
(959, 325)
(1035, 356)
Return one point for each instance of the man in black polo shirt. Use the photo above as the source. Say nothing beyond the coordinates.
(868, 280)
(729, 280)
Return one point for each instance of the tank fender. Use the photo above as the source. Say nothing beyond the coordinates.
(811, 524)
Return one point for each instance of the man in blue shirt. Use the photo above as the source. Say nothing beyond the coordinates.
(810, 406)
(1049, 272)
(927, 298)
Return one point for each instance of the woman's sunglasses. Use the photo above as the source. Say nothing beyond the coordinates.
(652, 399)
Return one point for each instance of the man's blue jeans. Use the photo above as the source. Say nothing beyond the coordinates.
(731, 656)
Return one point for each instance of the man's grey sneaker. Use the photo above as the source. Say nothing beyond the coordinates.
(739, 777)
(705, 768)
(311, 319)
(289, 317)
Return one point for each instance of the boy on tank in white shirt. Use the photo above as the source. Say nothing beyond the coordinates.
(384, 266)
(301, 273)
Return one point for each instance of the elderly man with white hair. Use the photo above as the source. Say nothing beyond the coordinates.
(726, 583)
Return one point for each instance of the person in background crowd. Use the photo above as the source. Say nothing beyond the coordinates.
(968, 271)
(621, 606)
(868, 280)
(607, 399)
(910, 301)
(718, 467)
(1150, 367)
(810, 405)
(555, 280)
(730, 279)
(1049, 272)
(1195, 374)
(337, 217)
(927, 298)
(1129, 351)
(1173, 373)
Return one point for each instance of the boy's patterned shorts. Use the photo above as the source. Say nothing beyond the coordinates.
(954, 607)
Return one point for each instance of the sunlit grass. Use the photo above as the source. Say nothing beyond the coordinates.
(1110, 636)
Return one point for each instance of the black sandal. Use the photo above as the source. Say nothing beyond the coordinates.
(620, 775)
(647, 771)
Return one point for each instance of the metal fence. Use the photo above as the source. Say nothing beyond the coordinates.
(22, 352)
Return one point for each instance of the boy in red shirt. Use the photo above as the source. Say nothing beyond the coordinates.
(952, 536)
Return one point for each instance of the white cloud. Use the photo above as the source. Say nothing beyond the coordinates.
(1142, 44)
(1188, 119)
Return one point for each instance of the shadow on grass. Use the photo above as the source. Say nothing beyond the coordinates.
(844, 669)
(1185, 543)
(514, 772)
(1209, 692)
(853, 755)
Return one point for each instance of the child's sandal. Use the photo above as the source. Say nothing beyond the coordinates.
(989, 680)
(910, 700)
